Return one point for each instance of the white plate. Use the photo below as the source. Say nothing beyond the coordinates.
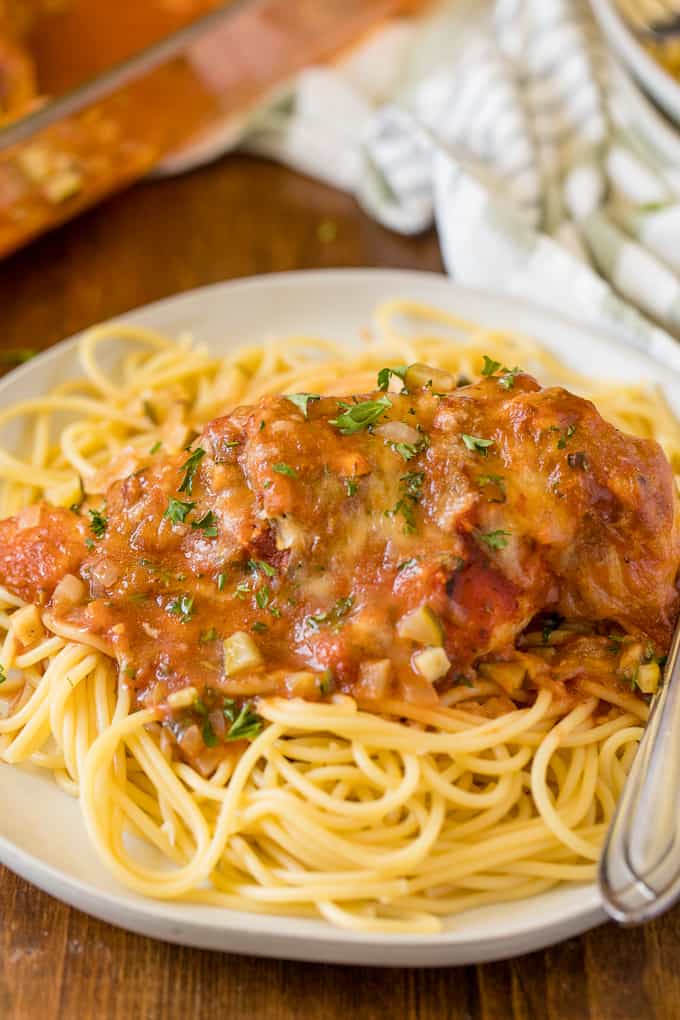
(42, 836)
(651, 75)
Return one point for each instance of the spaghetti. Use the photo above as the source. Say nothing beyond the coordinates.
(377, 822)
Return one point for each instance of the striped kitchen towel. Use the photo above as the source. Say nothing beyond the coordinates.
(508, 124)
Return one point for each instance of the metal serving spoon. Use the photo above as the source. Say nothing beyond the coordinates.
(639, 871)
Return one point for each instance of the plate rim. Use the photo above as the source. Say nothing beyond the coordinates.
(339, 945)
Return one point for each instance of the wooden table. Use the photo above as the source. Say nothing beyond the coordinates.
(236, 218)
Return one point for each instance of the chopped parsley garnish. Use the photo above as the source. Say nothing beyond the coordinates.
(183, 607)
(407, 564)
(177, 510)
(98, 523)
(301, 401)
(490, 480)
(208, 734)
(89, 543)
(412, 488)
(207, 524)
(3, 674)
(244, 726)
(259, 627)
(221, 578)
(332, 616)
(494, 539)
(241, 590)
(260, 565)
(399, 371)
(476, 443)
(285, 469)
(356, 417)
(262, 597)
(190, 467)
(490, 366)
(409, 450)
(351, 486)
(562, 441)
(262, 425)
(497, 482)
(507, 379)
(413, 484)
(156, 446)
(208, 635)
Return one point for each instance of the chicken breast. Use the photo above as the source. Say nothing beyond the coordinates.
(385, 542)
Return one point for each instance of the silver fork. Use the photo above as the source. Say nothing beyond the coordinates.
(639, 872)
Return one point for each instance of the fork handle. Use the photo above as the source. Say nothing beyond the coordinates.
(639, 871)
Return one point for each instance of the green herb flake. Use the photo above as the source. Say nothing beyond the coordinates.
(244, 726)
(301, 401)
(208, 635)
(356, 417)
(351, 486)
(507, 379)
(262, 597)
(156, 447)
(190, 467)
(207, 524)
(3, 674)
(285, 469)
(208, 734)
(242, 590)
(332, 617)
(259, 627)
(183, 607)
(562, 441)
(476, 443)
(177, 510)
(407, 564)
(409, 450)
(89, 543)
(98, 523)
(399, 371)
(262, 567)
(494, 539)
(221, 578)
(490, 366)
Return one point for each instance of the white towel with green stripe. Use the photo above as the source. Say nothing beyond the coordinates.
(547, 172)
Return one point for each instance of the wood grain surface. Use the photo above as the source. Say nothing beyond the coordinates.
(235, 218)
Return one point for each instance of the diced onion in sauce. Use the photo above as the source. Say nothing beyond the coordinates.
(648, 676)
(422, 625)
(183, 698)
(69, 592)
(432, 663)
(398, 432)
(27, 626)
(508, 675)
(240, 652)
(419, 375)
